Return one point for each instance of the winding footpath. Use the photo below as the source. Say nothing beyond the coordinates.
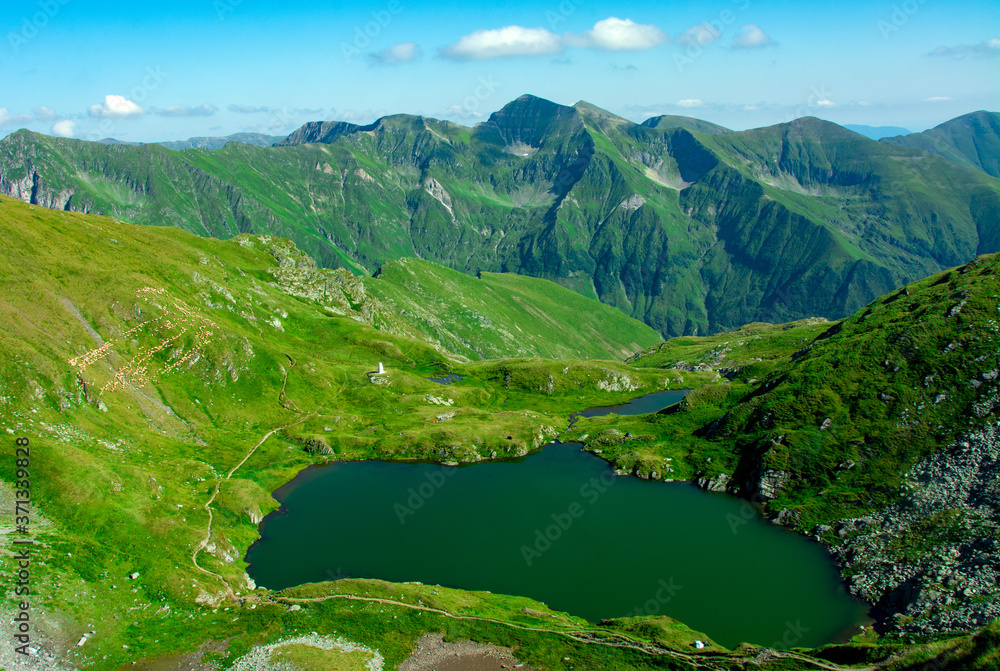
(285, 402)
(608, 639)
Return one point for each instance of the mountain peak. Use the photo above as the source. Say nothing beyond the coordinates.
(972, 140)
(585, 107)
(673, 121)
(528, 121)
(820, 129)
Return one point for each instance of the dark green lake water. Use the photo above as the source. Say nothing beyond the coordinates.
(559, 527)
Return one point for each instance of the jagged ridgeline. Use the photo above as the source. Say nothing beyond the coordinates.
(676, 222)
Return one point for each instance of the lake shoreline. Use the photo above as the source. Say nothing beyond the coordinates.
(316, 470)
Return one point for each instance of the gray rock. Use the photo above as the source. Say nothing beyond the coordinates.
(952, 585)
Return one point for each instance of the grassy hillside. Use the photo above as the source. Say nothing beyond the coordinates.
(499, 315)
(157, 453)
(684, 227)
(847, 432)
(671, 121)
(971, 140)
(167, 383)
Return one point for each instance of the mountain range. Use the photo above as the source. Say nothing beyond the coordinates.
(677, 222)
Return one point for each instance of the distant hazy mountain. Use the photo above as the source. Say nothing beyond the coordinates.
(689, 231)
(256, 139)
(877, 132)
(972, 140)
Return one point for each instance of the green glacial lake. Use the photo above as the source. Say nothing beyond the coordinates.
(559, 527)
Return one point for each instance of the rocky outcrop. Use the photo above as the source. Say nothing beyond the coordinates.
(932, 560)
(767, 483)
(717, 484)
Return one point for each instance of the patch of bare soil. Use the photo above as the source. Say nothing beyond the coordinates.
(433, 653)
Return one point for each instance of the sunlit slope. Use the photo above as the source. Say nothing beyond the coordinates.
(675, 223)
(504, 314)
(971, 139)
(168, 383)
(877, 435)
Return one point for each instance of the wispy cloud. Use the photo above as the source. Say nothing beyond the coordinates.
(504, 43)
(614, 34)
(701, 35)
(204, 109)
(752, 37)
(690, 102)
(404, 52)
(116, 107)
(937, 99)
(248, 109)
(65, 128)
(7, 118)
(987, 48)
(43, 113)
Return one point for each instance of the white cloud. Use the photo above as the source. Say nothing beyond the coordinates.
(43, 113)
(751, 37)
(64, 128)
(183, 110)
(404, 52)
(701, 35)
(689, 102)
(116, 107)
(988, 48)
(6, 118)
(616, 34)
(825, 103)
(504, 42)
(937, 99)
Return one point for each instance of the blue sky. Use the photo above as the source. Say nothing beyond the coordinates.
(165, 71)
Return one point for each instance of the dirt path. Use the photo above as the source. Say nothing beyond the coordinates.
(208, 504)
(609, 639)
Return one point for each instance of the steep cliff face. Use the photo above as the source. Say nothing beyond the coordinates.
(684, 226)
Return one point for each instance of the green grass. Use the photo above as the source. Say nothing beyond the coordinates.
(897, 381)
(676, 223)
(123, 477)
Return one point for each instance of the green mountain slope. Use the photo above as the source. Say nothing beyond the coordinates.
(688, 232)
(167, 383)
(504, 315)
(972, 140)
(672, 121)
(878, 435)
